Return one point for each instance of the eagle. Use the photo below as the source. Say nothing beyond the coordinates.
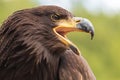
(34, 45)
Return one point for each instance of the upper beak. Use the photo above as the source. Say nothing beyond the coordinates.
(85, 25)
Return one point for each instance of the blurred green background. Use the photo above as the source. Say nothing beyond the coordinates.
(102, 53)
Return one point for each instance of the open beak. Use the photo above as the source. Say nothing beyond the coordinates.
(74, 24)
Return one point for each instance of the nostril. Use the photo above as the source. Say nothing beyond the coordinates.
(77, 21)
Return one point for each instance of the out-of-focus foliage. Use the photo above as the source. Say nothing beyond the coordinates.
(102, 53)
(7, 7)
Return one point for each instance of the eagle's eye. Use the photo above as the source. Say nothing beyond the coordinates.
(55, 17)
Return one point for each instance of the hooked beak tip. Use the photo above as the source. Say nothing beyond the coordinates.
(92, 34)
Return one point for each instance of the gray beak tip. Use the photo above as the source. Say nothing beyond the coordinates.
(92, 34)
(86, 26)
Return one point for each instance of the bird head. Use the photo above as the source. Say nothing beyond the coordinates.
(47, 25)
(62, 22)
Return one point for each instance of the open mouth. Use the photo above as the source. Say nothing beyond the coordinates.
(63, 30)
(60, 31)
(61, 34)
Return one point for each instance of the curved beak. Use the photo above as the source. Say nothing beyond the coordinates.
(84, 25)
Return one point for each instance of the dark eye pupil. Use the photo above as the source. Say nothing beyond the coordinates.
(56, 17)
